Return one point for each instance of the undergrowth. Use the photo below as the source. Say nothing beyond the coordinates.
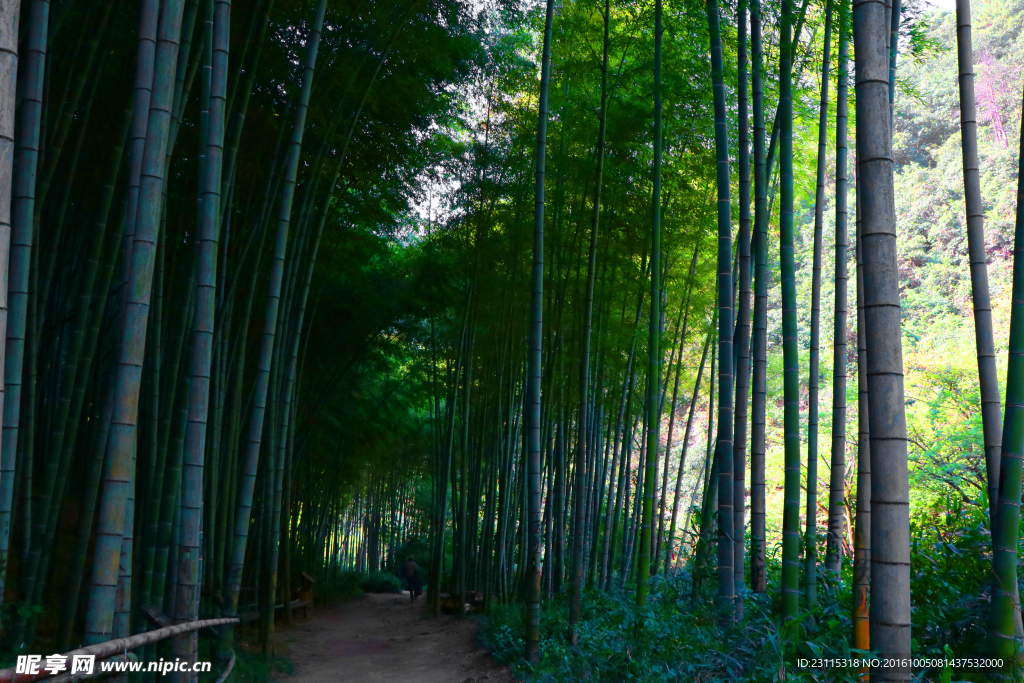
(344, 586)
(253, 667)
(670, 639)
(674, 638)
(381, 582)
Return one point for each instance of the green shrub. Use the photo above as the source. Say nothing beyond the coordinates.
(253, 667)
(348, 580)
(345, 586)
(668, 640)
(349, 593)
(381, 582)
(413, 547)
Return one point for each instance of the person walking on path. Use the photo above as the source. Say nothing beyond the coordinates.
(411, 572)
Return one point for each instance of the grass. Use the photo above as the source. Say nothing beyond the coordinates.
(675, 639)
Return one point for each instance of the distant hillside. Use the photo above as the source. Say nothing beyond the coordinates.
(929, 182)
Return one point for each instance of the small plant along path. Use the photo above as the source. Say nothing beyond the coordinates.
(385, 637)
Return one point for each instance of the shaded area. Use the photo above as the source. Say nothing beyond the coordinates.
(385, 637)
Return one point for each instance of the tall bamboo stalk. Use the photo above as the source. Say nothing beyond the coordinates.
(145, 63)
(1005, 598)
(862, 522)
(255, 431)
(741, 352)
(682, 457)
(26, 153)
(653, 407)
(890, 514)
(10, 11)
(118, 475)
(708, 486)
(536, 335)
(100, 270)
(811, 529)
(588, 313)
(723, 452)
(837, 479)
(988, 376)
(791, 370)
(672, 420)
(758, 402)
(187, 598)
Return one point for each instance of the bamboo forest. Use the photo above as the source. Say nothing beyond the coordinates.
(650, 340)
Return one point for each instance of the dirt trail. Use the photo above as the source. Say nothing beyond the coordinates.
(385, 637)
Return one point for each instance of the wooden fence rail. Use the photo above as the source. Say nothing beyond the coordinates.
(295, 604)
(113, 647)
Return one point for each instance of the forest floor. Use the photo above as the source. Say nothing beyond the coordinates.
(385, 637)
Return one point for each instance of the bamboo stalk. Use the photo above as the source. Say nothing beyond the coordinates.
(270, 326)
(811, 529)
(26, 152)
(726, 581)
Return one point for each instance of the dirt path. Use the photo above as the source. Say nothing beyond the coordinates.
(384, 637)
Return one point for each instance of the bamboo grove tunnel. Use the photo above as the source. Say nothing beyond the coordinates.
(649, 340)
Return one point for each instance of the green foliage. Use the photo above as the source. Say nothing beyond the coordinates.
(254, 667)
(415, 547)
(347, 593)
(381, 582)
(251, 665)
(670, 639)
(399, 296)
(946, 456)
(929, 182)
(951, 556)
(340, 586)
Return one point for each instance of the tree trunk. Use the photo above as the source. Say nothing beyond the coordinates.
(144, 70)
(27, 135)
(791, 370)
(894, 41)
(536, 336)
(709, 490)
(10, 11)
(811, 535)
(249, 467)
(685, 312)
(682, 457)
(94, 290)
(119, 470)
(723, 453)
(890, 523)
(588, 313)
(758, 402)
(837, 479)
(988, 378)
(653, 417)
(862, 522)
(1005, 597)
(742, 350)
(187, 599)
